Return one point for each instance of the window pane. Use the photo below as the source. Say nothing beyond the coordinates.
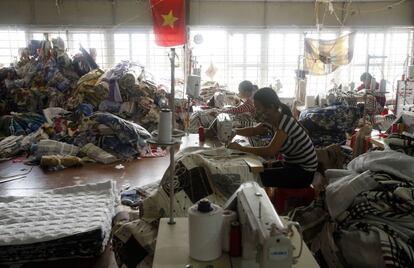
(121, 47)
(253, 48)
(11, 41)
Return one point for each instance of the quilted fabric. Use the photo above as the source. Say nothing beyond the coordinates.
(58, 213)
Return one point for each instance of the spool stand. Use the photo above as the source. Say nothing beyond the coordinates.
(173, 141)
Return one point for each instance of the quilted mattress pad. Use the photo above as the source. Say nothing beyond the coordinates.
(56, 217)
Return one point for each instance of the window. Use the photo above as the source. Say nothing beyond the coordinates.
(262, 56)
(212, 51)
(90, 41)
(394, 45)
(10, 42)
(140, 47)
(285, 50)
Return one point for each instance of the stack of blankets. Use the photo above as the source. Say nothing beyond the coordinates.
(68, 222)
(366, 218)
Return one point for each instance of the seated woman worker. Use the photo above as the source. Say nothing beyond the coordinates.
(246, 90)
(289, 139)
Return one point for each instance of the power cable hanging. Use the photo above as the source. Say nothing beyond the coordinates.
(386, 7)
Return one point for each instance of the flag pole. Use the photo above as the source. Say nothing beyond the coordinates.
(172, 149)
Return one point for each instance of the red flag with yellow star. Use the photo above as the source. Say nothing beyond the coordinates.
(169, 22)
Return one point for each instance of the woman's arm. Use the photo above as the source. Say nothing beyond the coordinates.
(269, 150)
(251, 131)
(247, 106)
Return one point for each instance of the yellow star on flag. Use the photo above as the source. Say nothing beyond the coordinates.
(169, 19)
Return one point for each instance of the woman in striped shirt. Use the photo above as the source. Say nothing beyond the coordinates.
(290, 140)
(246, 90)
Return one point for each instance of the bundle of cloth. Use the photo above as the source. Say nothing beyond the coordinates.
(213, 173)
(32, 99)
(20, 123)
(88, 90)
(47, 64)
(69, 222)
(14, 145)
(126, 138)
(400, 143)
(329, 125)
(366, 216)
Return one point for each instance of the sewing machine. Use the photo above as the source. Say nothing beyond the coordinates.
(224, 128)
(266, 240)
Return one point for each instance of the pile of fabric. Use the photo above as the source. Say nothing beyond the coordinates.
(99, 137)
(68, 222)
(217, 96)
(366, 218)
(199, 173)
(400, 143)
(71, 101)
(329, 125)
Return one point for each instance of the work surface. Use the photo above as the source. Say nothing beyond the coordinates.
(172, 250)
(136, 173)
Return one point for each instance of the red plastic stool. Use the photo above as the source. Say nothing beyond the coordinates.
(285, 198)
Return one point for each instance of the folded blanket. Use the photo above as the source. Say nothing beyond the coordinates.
(81, 212)
(97, 154)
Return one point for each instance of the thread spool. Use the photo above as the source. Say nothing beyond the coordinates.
(228, 217)
(205, 222)
(165, 126)
(235, 239)
(193, 86)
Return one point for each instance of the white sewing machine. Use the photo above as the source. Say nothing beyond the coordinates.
(266, 240)
(224, 128)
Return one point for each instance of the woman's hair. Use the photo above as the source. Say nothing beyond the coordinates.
(268, 98)
(247, 87)
(365, 77)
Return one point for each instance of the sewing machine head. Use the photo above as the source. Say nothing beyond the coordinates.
(224, 128)
(266, 239)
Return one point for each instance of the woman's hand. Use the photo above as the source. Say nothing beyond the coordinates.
(262, 128)
(234, 146)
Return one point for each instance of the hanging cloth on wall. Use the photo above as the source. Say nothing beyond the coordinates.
(325, 56)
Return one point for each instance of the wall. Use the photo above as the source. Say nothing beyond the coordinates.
(120, 13)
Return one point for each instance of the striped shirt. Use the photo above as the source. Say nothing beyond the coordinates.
(247, 106)
(298, 148)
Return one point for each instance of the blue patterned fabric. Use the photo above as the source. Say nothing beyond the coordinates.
(126, 131)
(329, 125)
(113, 145)
(20, 124)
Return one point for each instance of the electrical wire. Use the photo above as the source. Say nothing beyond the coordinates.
(144, 11)
(390, 6)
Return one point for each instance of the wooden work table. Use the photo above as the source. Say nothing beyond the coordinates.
(136, 172)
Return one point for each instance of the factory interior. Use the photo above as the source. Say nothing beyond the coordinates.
(206, 133)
